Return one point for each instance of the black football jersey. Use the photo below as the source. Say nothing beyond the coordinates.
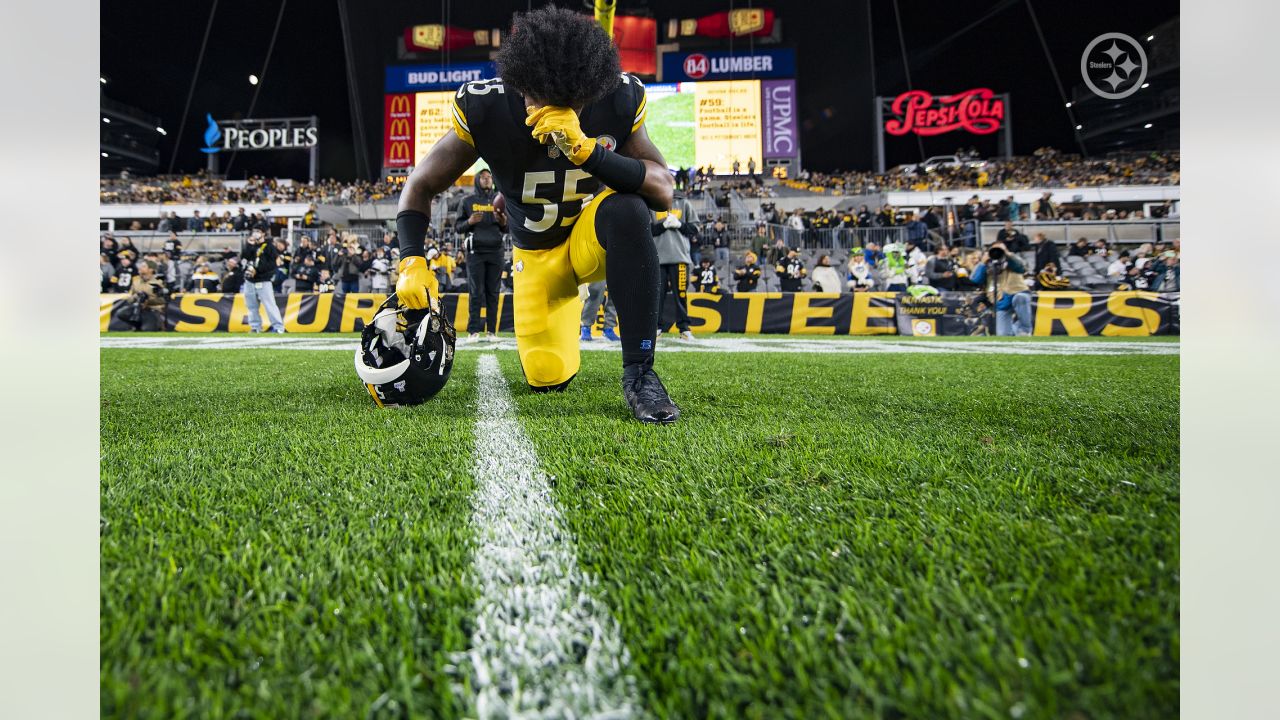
(543, 190)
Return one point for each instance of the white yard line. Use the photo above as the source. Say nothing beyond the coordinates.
(544, 646)
(708, 343)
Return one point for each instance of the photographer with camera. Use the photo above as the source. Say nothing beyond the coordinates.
(259, 255)
(148, 295)
(1001, 276)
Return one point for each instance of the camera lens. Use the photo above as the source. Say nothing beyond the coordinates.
(996, 253)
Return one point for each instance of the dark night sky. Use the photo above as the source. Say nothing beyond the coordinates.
(149, 50)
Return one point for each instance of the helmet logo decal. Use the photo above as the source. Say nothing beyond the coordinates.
(399, 386)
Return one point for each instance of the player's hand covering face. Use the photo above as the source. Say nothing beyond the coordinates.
(560, 124)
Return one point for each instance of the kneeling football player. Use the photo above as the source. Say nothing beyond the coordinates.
(562, 129)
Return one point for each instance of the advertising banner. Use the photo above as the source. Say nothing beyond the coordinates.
(1124, 313)
(397, 144)
(721, 65)
(781, 126)
(416, 78)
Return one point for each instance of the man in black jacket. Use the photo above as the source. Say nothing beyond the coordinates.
(306, 275)
(259, 255)
(481, 226)
(941, 270)
(1046, 252)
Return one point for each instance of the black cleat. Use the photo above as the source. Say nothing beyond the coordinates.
(644, 392)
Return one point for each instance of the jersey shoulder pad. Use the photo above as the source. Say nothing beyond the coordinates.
(472, 103)
(629, 100)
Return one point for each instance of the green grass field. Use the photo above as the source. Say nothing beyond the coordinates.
(879, 535)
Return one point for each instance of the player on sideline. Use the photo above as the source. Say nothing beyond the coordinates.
(562, 129)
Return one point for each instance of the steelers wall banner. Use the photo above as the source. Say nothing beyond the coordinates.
(862, 313)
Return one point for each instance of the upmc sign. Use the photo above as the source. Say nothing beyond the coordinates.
(781, 134)
(687, 67)
(397, 149)
(977, 111)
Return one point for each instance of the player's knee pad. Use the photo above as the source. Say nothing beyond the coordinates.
(548, 368)
(622, 216)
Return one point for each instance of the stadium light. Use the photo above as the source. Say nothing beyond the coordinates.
(253, 79)
(1068, 104)
(106, 120)
(1150, 38)
(1145, 86)
(1147, 126)
(105, 155)
(161, 131)
(1079, 127)
(102, 80)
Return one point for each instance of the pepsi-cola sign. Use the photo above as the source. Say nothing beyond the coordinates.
(738, 65)
(978, 111)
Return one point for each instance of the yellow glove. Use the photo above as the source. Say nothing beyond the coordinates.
(560, 124)
(417, 285)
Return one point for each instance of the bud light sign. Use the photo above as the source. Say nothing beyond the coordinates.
(781, 131)
(739, 65)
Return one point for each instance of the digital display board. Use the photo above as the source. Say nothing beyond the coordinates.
(694, 124)
(706, 123)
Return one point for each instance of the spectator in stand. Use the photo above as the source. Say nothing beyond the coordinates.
(940, 270)
(791, 272)
(873, 255)
(128, 249)
(751, 166)
(776, 253)
(825, 278)
(232, 276)
(1102, 249)
(1001, 274)
(673, 231)
(761, 239)
(325, 285)
(196, 223)
(896, 276)
(241, 223)
(865, 218)
(1080, 249)
(107, 271)
(310, 219)
(797, 220)
(203, 280)
(859, 276)
(705, 279)
(917, 231)
(380, 274)
(390, 245)
(328, 254)
(1045, 208)
(259, 255)
(1046, 252)
(1012, 238)
(747, 275)
(306, 276)
(886, 217)
(284, 260)
(1118, 270)
(121, 280)
(719, 239)
(1049, 279)
(350, 266)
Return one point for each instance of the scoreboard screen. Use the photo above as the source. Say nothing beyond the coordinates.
(694, 124)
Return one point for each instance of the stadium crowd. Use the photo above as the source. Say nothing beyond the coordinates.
(201, 189)
(1045, 168)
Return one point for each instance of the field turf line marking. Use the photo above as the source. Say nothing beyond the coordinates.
(543, 645)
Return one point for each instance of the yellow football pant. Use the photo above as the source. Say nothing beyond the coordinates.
(546, 302)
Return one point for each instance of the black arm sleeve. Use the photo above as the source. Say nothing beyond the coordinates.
(411, 228)
(623, 174)
(658, 228)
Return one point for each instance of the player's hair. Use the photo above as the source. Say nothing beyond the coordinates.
(559, 57)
